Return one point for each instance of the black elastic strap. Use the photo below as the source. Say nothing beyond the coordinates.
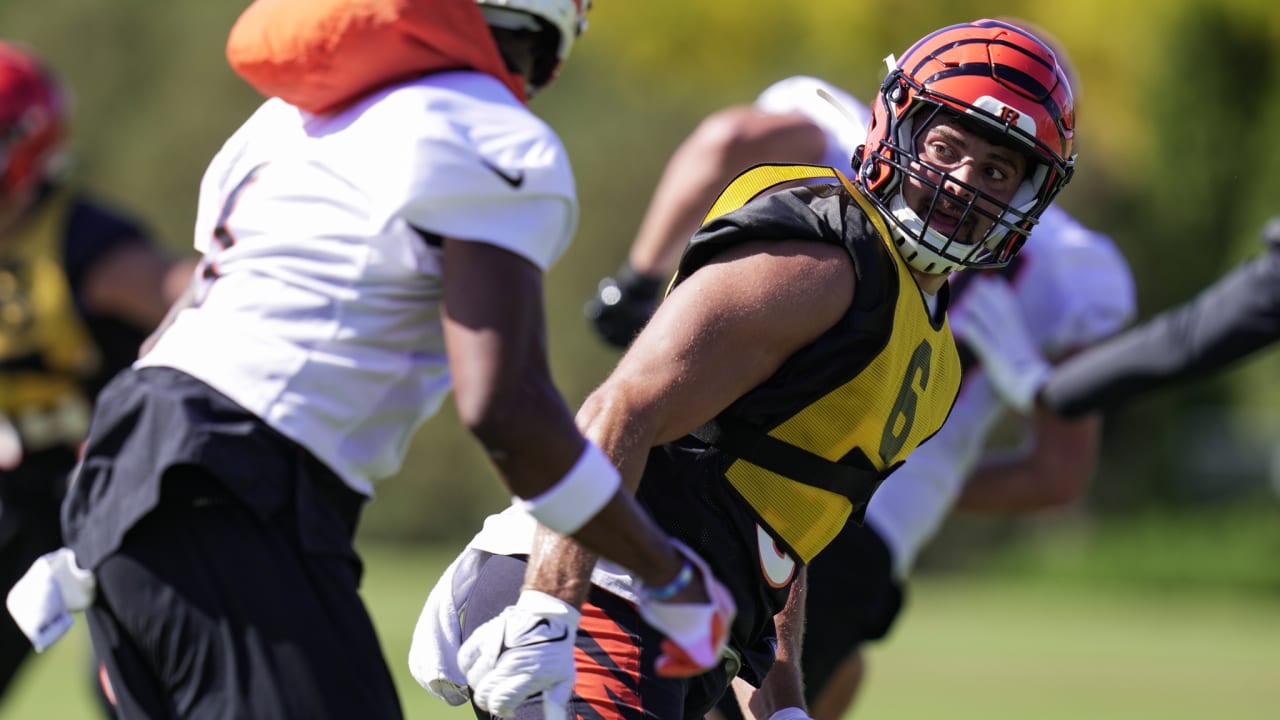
(758, 448)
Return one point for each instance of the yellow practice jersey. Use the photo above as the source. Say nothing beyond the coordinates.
(809, 446)
(54, 353)
(45, 348)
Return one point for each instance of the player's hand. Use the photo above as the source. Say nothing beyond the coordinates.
(696, 634)
(433, 653)
(622, 305)
(989, 319)
(524, 652)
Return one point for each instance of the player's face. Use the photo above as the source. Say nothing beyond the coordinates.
(949, 152)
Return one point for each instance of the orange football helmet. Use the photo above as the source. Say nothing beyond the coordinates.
(998, 78)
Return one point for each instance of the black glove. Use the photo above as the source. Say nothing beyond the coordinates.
(623, 304)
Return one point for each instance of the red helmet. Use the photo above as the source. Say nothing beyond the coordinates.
(33, 121)
(999, 78)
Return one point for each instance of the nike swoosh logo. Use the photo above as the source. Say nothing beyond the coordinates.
(777, 566)
(564, 635)
(515, 180)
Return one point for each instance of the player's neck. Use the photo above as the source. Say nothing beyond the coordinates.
(929, 283)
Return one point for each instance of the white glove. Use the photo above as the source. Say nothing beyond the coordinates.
(42, 601)
(790, 713)
(989, 319)
(526, 650)
(433, 654)
(696, 635)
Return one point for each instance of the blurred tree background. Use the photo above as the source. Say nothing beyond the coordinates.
(1178, 102)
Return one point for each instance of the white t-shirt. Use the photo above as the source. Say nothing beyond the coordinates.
(845, 126)
(322, 316)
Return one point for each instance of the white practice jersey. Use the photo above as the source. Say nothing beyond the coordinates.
(1074, 288)
(845, 131)
(320, 239)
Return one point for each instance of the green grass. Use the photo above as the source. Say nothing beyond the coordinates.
(989, 648)
(1003, 649)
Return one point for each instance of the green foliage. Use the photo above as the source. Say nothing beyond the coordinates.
(1177, 99)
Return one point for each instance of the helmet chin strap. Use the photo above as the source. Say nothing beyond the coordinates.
(918, 241)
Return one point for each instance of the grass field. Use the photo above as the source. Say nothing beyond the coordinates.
(968, 648)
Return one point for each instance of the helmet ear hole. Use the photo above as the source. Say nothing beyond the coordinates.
(869, 169)
(895, 89)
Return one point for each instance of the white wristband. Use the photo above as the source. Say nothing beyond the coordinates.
(588, 486)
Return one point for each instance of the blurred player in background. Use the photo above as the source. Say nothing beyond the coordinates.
(81, 284)
(374, 235)
(800, 356)
(1227, 321)
(1070, 283)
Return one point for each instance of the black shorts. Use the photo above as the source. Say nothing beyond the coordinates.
(227, 580)
(853, 598)
(615, 659)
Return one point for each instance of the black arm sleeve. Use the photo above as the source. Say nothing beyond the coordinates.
(1235, 316)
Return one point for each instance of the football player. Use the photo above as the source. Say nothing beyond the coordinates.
(801, 355)
(1227, 321)
(373, 236)
(81, 284)
(1070, 282)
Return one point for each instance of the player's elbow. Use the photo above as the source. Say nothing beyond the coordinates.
(1065, 483)
(500, 418)
(728, 141)
(1065, 459)
(1063, 492)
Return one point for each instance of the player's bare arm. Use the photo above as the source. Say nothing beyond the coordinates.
(495, 337)
(185, 296)
(723, 144)
(720, 333)
(1054, 471)
(783, 687)
(136, 283)
(496, 341)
